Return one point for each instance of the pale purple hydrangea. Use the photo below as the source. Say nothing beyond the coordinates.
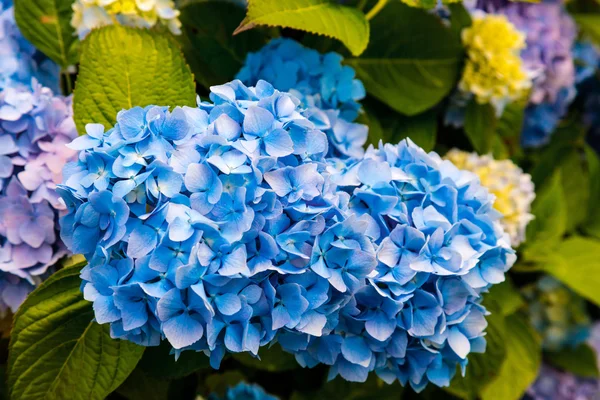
(35, 125)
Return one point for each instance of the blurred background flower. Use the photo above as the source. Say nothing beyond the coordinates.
(90, 14)
(557, 313)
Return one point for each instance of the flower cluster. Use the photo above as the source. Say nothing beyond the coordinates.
(318, 80)
(438, 247)
(513, 189)
(225, 228)
(35, 125)
(327, 89)
(494, 72)
(558, 314)
(90, 14)
(244, 391)
(550, 35)
(20, 61)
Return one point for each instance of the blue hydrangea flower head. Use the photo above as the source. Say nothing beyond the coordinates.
(439, 247)
(35, 126)
(19, 60)
(318, 80)
(244, 391)
(222, 228)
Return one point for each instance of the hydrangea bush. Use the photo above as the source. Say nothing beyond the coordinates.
(292, 228)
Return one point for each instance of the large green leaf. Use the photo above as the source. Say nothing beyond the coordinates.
(576, 263)
(522, 362)
(480, 126)
(591, 225)
(58, 352)
(214, 55)
(125, 67)
(412, 61)
(47, 25)
(550, 222)
(322, 17)
(581, 361)
(506, 296)
(590, 25)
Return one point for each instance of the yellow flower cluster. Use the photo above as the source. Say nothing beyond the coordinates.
(494, 71)
(90, 14)
(513, 189)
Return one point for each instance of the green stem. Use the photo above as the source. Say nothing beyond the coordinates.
(68, 83)
(375, 10)
(361, 4)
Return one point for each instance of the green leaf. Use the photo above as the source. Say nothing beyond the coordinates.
(158, 362)
(58, 352)
(565, 140)
(214, 55)
(506, 296)
(592, 225)
(590, 25)
(480, 126)
(140, 386)
(273, 359)
(412, 61)
(576, 263)
(581, 361)
(47, 25)
(421, 129)
(483, 368)
(323, 17)
(522, 362)
(460, 18)
(508, 129)
(125, 67)
(550, 222)
(575, 182)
